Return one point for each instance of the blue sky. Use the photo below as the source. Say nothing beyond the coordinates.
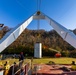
(14, 12)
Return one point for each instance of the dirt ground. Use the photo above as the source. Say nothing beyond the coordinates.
(53, 70)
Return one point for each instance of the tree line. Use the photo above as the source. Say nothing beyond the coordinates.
(49, 39)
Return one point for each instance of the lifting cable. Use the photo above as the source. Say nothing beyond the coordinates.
(38, 13)
(38, 5)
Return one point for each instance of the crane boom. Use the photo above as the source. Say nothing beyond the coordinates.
(12, 35)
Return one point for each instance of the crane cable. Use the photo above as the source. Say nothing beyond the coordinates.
(38, 13)
(38, 5)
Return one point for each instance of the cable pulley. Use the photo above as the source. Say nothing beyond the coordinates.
(38, 13)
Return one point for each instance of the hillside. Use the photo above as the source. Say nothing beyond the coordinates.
(25, 42)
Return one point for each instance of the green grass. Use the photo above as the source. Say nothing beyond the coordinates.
(64, 60)
(56, 60)
(11, 61)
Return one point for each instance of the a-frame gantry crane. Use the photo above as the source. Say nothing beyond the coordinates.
(12, 35)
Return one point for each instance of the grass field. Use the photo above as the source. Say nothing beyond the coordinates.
(43, 60)
(56, 60)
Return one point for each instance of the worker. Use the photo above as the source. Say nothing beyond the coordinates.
(6, 68)
(21, 57)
